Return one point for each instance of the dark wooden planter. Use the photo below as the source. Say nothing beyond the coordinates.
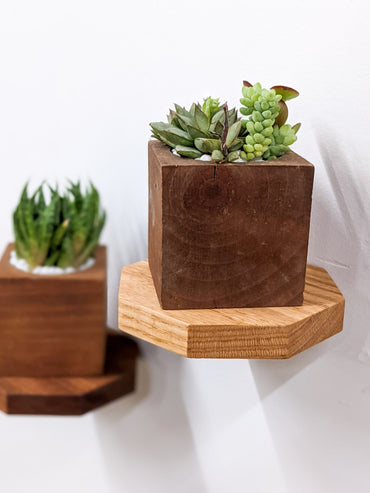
(52, 325)
(228, 235)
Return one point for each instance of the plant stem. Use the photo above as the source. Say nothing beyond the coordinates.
(224, 148)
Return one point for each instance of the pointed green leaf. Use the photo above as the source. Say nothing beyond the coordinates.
(207, 146)
(189, 152)
(237, 144)
(201, 119)
(233, 133)
(232, 116)
(296, 127)
(177, 136)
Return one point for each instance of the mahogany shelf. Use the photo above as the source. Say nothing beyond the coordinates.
(268, 333)
(74, 395)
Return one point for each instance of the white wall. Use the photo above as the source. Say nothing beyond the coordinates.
(79, 83)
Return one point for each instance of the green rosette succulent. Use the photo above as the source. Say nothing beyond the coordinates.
(208, 129)
(63, 232)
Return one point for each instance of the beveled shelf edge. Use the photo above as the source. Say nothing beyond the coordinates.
(264, 333)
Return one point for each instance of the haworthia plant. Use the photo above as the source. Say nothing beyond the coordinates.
(215, 130)
(63, 232)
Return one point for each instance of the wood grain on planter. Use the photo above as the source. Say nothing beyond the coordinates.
(268, 333)
(228, 235)
(52, 325)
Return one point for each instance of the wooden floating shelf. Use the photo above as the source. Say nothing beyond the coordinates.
(73, 395)
(268, 333)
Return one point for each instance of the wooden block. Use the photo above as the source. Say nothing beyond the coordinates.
(228, 235)
(52, 325)
(73, 395)
(269, 333)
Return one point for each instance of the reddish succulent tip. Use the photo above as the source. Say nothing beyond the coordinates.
(283, 114)
(285, 92)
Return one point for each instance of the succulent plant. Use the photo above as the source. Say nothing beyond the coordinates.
(208, 129)
(215, 130)
(281, 138)
(63, 232)
(268, 136)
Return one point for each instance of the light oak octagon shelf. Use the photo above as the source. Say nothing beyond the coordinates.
(268, 333)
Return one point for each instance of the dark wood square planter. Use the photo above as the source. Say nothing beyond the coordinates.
(52, 325)
(228, 235)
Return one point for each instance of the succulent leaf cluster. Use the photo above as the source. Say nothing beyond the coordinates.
(208, 129)
(281, 138)
(63, 231)
(215, 130)
(268, 135)
(262, 107)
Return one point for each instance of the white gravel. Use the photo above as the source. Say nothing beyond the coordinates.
(21, 263)
(205, 157)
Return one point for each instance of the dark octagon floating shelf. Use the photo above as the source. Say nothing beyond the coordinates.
(73, 395)
(268, 333)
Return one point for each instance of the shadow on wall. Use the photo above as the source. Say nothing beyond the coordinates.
(317, 408)
(145, 438)
(341, 236)
(338, 242)
(317, 405)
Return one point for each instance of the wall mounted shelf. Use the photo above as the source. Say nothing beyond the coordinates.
(73, 395)
(268, 333)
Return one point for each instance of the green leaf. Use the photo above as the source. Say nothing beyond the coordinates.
(52, 258)
(237, 144)
(217, 128)
(59, 233)
(159, 126)
(182, 111)
(183, 122)
(210, 107)
(233, 133)
(232, 116)
(66, 257)
(232, 156)
(90, 247)
(207, 146)
(218, 117)
(174, 136)
(217, 155)
(196, 133)
(201, 119)
(189, 152)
